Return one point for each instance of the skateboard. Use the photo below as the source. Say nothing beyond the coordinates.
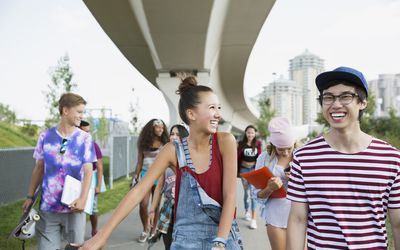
(25, 228)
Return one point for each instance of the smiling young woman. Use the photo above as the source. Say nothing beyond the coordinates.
(205, 163)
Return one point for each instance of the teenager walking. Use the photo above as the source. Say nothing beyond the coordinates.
(166, 185)
(344, 183)
(152, 138)
(206, 169)
(249, 148)
(275, 211)
(98, 178)
(61, 151)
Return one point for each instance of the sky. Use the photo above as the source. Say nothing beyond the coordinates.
(363, 34)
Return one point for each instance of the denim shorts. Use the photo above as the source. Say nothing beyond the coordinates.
(143, 173)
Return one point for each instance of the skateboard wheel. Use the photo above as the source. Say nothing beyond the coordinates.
(36, 217)
(24, 230)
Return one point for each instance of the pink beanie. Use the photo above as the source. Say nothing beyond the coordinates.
(281, 132)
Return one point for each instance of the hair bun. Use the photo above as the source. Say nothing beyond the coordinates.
(187, 83)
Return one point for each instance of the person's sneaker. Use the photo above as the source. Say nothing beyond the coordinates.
(247, 216)
(143, 237)
(253, 224)
(151, 236)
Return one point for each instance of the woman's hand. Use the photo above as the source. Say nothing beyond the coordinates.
(287, 175)
(287, 172)
(97, 242)
(150, 219)
(274, 183)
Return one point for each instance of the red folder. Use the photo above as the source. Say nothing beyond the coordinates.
(259, 179)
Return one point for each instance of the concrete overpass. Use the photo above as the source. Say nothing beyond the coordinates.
(164, 39)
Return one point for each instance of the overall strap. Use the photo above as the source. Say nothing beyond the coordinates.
(186, 153)
(180, 154)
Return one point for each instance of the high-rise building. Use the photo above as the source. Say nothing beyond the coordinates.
(286, 99)
(303, 70)
(387, 93)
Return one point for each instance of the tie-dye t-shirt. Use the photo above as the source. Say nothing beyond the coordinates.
(79, 150)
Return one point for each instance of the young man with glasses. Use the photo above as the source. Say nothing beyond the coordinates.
(62, 150)
(345, 182)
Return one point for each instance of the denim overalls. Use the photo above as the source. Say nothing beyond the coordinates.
(197, 214)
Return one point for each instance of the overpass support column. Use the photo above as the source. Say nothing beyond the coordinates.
(168, 85)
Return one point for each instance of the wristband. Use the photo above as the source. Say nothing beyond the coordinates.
(219, 242)
(30, 197)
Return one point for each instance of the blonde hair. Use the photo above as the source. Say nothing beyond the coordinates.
(271, 150)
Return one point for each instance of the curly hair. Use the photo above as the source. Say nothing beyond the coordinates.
(147, 136)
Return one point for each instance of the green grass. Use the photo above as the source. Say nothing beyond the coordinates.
(106, 168)
(109, 200)
(390, 236)
(11, 213)
(12, 137)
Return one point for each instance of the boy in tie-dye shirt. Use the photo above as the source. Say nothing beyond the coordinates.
(79, 150)
(62, 150)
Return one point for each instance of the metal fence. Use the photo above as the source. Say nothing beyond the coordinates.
(123, 157)
(16, 166)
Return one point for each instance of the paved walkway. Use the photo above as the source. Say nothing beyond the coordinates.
(125, 235)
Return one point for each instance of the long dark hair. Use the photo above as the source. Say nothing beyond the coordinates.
(147, 136)
(189, 92)
(181, 129)
(243, 142)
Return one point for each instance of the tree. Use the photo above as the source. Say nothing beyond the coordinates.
(368, 118)
(103, 128)
(61, 82)
(321, 120)
(266, 114)
(30, 129)
(7, 115)
(134, 121)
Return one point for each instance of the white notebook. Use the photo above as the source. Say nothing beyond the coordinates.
(72, 191)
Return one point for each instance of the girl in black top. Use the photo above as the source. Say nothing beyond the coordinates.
(249, 148)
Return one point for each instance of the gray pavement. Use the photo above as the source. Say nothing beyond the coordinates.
(126, 234)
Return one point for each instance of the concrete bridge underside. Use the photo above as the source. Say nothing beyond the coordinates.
(210, 39)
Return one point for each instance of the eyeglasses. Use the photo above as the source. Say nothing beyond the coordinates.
(63, 147)
(344, 99)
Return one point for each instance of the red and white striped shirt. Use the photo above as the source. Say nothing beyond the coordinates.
(347, 194)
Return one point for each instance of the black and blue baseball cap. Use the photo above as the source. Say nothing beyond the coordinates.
(341, 74)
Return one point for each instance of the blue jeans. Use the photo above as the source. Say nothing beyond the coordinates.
(249, 199)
